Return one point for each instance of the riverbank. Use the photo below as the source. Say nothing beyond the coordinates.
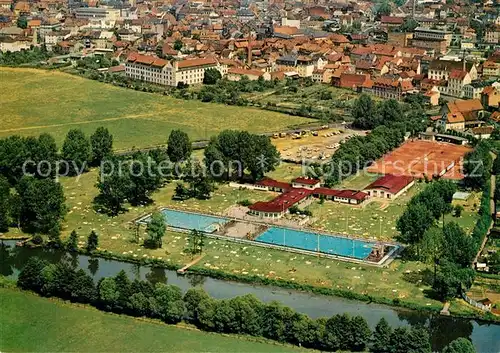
(31, 323)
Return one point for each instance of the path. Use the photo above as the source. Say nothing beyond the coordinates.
(192, 263)
(445, 310)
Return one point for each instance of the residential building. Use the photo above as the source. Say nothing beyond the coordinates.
(490, 97)
(474, 89)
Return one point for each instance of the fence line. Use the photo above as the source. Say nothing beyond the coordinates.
(475, 303)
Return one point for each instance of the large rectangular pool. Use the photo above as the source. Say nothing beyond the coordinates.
(332, 245)
(186, 220)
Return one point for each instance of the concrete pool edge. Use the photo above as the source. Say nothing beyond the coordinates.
(385, 260)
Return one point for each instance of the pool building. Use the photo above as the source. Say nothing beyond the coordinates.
(299, 192)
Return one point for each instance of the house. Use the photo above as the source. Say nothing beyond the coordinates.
(389, 186)
(490, 97)
(474, 89)
(306, 183)
(461, 114)
(491, 68)
(456, 82)
(235, 74)
(482, 132)
(441, 69)
(352, 81)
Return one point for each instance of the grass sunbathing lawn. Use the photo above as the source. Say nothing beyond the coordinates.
(36, 101)
(117, 235)
(33, 324)
(375, 220)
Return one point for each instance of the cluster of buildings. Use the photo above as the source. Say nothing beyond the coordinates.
(301, 191)
(343, 43)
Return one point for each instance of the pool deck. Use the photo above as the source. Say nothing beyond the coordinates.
(385, 260)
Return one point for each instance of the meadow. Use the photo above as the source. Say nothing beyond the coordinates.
(36, 101)
(33, 324)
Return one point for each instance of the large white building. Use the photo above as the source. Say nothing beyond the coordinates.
(170, 73)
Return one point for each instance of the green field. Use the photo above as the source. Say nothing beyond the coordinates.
(36, 101)
(33, 324)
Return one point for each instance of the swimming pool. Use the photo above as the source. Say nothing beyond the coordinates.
(186, 220)
(309, 241)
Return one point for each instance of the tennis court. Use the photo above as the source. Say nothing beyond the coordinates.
(420, 158)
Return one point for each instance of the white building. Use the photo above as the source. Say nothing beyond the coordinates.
(170, 73)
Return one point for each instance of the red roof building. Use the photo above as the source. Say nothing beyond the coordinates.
(389, 186)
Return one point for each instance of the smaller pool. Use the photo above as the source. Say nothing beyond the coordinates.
(185, 220)
(310, 241)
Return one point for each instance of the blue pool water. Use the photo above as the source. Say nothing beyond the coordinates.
(186, 220)
(309, 241)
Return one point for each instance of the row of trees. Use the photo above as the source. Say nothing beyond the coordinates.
(367, 114)
(41, 158)
(447, 247)
(241, 315)
(357, 153)
(134, 177)
(34, 55)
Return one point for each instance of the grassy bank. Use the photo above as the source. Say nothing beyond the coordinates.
(33, 324)
(36, 101)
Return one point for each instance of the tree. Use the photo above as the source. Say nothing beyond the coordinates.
(179, 146)
(72, 242)
(4, 204)
(178, 44)
(196, 242)
(144, 176)
(384, 9)
(451, 280)
(460, 345)
(22, 22)
(363, 112)
(409, 340)
(76, 151)
(42, 205)
(108, 293)
(114, 187)
(31, 276)
(170, 304)
(192, 300)
(360, 334)
(102, 145)
(82, 288)
(381, 337)
(432, 247)
(408, 25)
(390, 111)
(211, 76)
(413, 223)
(156, 229)
(92, 241)
(460, 247)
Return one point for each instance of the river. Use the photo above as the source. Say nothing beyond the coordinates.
(484, 336)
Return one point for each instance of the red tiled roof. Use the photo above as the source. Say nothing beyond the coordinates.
(348, 194)
(392, 20)
(274, 183)
(283, 202)
(391, 183)
(196, 62)
(306, 181)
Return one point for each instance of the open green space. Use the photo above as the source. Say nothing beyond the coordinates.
(33, 324)
(36, 101)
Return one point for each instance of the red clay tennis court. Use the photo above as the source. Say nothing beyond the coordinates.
(419, 158)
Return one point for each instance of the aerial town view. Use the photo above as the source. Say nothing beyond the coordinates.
(250, 176)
